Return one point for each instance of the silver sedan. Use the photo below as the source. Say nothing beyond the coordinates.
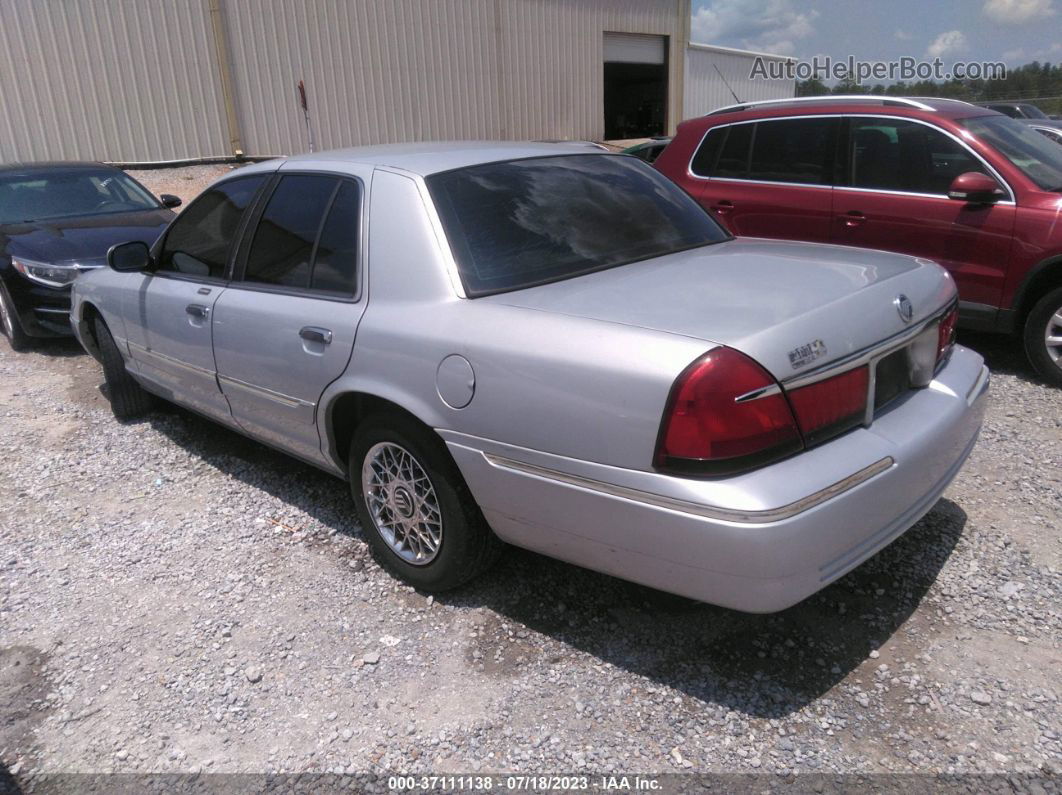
(555, 348)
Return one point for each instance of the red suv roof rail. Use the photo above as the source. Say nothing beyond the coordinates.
(828, 99)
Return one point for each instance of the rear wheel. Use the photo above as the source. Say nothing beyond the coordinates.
(16, 335)
(1043, 337)
(129, 400)
(419, 518)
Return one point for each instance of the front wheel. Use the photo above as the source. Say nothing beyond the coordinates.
(129, 400)
(17, 337)
(419, 518)
(1043, 337)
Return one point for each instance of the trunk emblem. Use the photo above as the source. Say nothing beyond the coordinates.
(806, 354)
(904, 307)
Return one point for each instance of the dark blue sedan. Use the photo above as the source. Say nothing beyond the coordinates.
(57, 220)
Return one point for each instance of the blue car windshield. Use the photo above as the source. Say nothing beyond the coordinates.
(519, 223)
(44, 195)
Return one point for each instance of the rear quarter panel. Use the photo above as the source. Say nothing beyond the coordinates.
(571, 386)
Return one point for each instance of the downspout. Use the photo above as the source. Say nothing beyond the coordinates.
(221, 48)
(684, 11)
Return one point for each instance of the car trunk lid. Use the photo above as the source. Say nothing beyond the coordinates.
(791, 306)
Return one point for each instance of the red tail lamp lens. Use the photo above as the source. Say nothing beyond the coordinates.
(946, 333)
(706, 429)
(830, 407)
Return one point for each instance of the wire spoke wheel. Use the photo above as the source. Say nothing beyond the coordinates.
(402, 503)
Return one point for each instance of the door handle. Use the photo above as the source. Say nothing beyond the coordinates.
(853, 218)
(197, 310)
(315, 334)
(724, 206)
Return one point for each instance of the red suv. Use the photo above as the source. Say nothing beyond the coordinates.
(967, 187)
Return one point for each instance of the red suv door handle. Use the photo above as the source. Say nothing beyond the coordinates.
(853, 218)
(723, 206)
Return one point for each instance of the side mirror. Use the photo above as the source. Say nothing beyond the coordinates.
(171, 201)
(129, 257)
(974, 187)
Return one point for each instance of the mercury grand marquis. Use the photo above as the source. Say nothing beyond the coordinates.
(554, 348)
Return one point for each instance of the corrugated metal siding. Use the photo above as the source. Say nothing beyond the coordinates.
(407, 70)
(108, 80)
(374, 71)
(118, 80)
(704, 91)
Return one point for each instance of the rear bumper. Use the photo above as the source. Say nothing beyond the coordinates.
(757, 542)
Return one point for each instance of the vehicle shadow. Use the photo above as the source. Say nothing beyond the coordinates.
(763, 665)
(60, 348)
(1002, 353)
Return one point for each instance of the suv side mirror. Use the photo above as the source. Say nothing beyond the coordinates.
(129, 257)
(974, 187)
(171, 201)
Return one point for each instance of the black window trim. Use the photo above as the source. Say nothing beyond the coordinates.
(246, 239)
(843, 141)
(226, 278)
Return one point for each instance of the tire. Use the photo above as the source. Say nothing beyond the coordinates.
(466, 546)
(17, 337)
(1045, 320)
(129, 400)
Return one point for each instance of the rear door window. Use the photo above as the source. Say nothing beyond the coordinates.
(794, 150)
(307, 236)
(283, 245)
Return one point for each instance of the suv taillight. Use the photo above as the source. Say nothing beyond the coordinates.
(707, 430)
(946, 334)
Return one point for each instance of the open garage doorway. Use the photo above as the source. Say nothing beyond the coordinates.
(635, 85)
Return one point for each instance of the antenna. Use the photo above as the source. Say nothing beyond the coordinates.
(728, 88)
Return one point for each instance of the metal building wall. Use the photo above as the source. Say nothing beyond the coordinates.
(704, 91)
(406, 70)
(108, 80)
(140, 81)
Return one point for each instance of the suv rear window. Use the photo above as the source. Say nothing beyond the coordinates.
(519, 223)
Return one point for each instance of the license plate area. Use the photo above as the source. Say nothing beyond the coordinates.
(892, 377)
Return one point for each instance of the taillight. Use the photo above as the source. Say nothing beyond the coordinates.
(946, 334)
(706, 429)
(832, 406)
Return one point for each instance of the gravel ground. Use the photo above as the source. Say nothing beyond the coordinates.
(185, 181)
(176, 598)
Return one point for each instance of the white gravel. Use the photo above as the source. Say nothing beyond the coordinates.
(176, 598)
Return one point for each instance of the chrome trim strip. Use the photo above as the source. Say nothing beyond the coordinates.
(162, 357)
(979, 386)
(756, 394)
(261, 391)
(50, 311)
(866, 355)
(693, 508)
(690, 172)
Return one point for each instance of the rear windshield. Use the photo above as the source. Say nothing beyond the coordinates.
(520, 223)
(41, 195)
(1038, 157)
